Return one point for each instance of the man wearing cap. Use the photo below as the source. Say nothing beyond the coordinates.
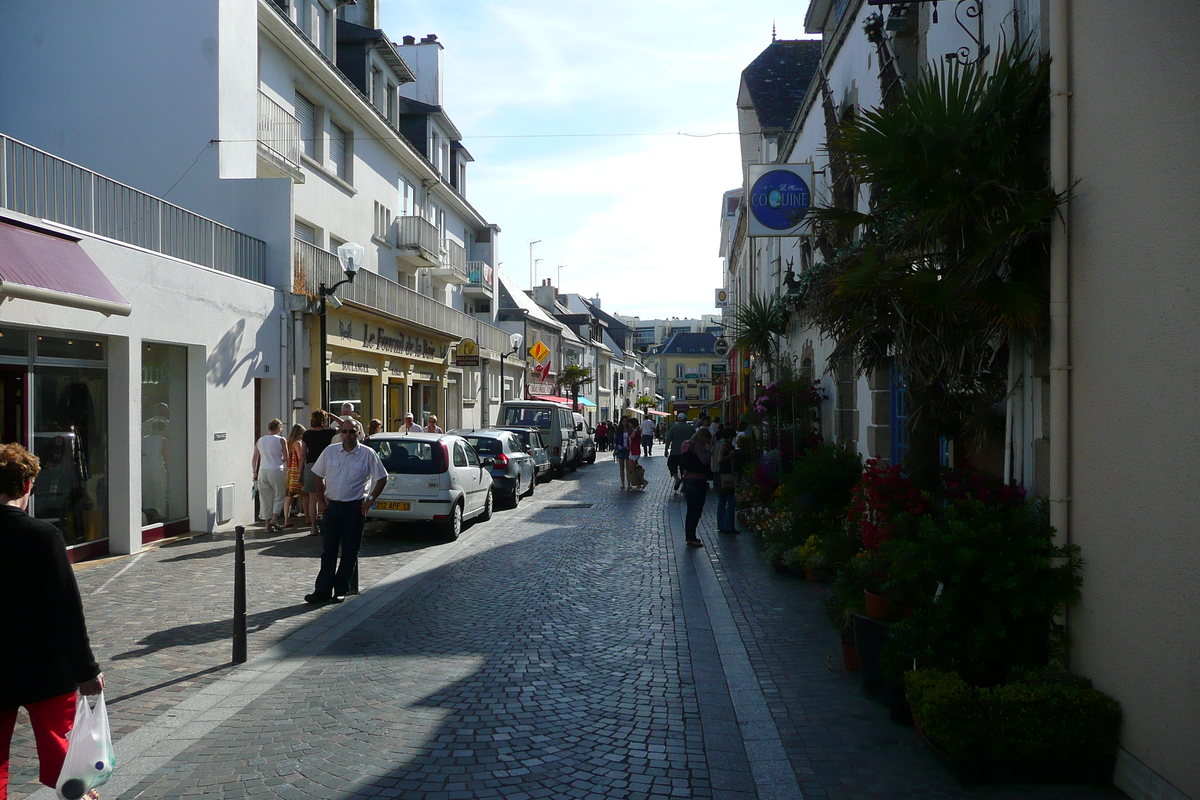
(410, 425)
(349, 477)
(677, 434)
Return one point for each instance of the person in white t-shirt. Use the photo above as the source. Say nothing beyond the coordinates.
(647, 435)
(349, 478)
(270, 470)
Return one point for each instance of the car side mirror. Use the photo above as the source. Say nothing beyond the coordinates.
(486, 461)
(578, 426)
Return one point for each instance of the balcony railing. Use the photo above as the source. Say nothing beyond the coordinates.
(41, 185)
(278, 133)
(479, 273)
(417, 232)
(314, 266)
(456, 257)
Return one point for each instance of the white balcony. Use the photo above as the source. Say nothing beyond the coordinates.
(453, 268)
(417, 242)
(278, 141)
(480, 279)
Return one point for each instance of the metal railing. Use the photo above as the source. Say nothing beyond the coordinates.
(417, 232)
(278, 131)
(41, 185)
(314, 266)
(456, 257)
(479, 273)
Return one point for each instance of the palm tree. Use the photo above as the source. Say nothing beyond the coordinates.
(758, 321)
(571, 378)
(953, 256)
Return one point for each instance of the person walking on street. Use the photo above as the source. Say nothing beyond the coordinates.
(410, 425)
(648, 435)
(635, 443)
(694, 458)
(349, 478)
(47, 655)
(315, 439)
(678, 433)
(602, 436)
(270, 470)
(373, 427)
(726, 504)
(432, 426)
(295, 465)
(621, 449)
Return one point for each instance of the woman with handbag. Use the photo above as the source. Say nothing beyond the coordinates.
(694, 457)
(726, 504)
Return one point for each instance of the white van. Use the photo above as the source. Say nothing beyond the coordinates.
(556, 424)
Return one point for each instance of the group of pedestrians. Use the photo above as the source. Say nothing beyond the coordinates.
(696, 456)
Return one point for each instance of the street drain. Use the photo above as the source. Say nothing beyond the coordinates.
(558, 506)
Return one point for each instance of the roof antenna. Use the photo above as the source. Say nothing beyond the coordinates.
(772, 30)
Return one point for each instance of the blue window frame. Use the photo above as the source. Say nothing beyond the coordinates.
(899, 415)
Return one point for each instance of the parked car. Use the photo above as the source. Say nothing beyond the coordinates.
(587, 440)
(432, 477)
(514, 473)
(531, 439)
(553, 421)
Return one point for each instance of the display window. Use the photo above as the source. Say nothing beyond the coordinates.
(164, 433)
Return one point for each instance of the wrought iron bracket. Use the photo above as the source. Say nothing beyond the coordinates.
(965, 12)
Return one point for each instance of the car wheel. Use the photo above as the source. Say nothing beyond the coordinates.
(592, 458)
(574, 465)
(452, 527)
(532, 483)
(487, 507)
(516, 495)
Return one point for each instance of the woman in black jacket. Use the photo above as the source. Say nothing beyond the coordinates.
(47, 654)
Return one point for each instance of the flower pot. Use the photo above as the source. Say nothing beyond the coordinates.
(878, 607)
(850, 656)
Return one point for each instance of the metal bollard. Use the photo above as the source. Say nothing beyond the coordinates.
(353, 581)
(239, 597)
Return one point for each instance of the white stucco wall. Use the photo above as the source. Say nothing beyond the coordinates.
(1135, 236)
(230, 328)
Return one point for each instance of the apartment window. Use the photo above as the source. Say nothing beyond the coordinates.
(375, 89)
(306, 112)
(680, 369)
(339, 151)
(703, 392)
(383, 221)
(390, 101)
(704, 372)
(335, 243)
(306, 233)
(680, 391)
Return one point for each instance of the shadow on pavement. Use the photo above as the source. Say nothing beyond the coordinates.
(204, 632)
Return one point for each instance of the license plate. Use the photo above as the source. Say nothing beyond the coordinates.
(391, 505)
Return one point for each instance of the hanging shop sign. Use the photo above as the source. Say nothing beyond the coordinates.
(466, 354)
(721, 347)
(718, 369)
(722, 299)
(780, 196)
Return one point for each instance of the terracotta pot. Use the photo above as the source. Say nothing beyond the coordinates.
(850, 656)
(878, 607)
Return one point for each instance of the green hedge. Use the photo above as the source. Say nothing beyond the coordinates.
(1038, 722)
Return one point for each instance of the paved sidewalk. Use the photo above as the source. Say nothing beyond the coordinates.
(571, 648)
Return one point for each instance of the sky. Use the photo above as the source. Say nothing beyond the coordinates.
(633, 219)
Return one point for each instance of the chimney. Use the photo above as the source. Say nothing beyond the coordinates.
(409, 40)
(430, 38)
(424, 58)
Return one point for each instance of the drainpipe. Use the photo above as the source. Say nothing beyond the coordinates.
(1060, 350)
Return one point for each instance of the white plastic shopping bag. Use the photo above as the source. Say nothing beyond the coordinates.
(90, 759)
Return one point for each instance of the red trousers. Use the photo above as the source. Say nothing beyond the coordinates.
(51, 720)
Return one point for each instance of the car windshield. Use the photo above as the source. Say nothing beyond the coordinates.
(486, 446)
(524, 436)
(409, 457)
(528, 417)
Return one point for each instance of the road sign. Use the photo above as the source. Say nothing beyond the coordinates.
(721, 347)
(539, 351)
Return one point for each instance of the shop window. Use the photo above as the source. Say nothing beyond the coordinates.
(164, 433)
(353, 389)
(70, 419)
(73, 347)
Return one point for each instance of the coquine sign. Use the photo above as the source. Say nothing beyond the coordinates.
(780, 196)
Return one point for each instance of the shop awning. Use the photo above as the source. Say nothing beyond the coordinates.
(553, 398)
(583, 401)
(53, 268)
(654, 413)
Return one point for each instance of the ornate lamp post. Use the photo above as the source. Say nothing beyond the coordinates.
(515, 341)
(351, 256)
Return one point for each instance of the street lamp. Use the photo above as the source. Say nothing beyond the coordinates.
(532, 242)
(350, 255)
(515, 341)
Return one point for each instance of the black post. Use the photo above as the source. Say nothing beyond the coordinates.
(239, 597)
(324, 384)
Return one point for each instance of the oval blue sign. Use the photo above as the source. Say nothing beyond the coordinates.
(780, 199)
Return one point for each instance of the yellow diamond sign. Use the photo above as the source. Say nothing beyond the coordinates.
(539, 351)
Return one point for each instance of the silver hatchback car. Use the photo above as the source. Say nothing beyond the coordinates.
(432, 477)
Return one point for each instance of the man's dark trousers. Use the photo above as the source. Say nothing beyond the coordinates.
(342, 526)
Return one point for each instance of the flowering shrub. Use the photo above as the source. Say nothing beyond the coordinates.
(973, 485)
(882, 495)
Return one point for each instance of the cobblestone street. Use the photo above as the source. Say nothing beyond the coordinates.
(570, 648)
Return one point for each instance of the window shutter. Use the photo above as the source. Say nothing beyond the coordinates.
(306, 112)
(337, 150)
(306, 233)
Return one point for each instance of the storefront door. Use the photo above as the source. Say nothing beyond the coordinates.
(12, 405)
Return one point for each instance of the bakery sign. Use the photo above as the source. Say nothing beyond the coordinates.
(397, 343)
(466, 353)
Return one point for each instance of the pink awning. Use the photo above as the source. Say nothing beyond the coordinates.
(50, 267)
(553, 398)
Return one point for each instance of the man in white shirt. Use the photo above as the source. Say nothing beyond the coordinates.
(647, 435)
(348, 477)
(410, 426)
